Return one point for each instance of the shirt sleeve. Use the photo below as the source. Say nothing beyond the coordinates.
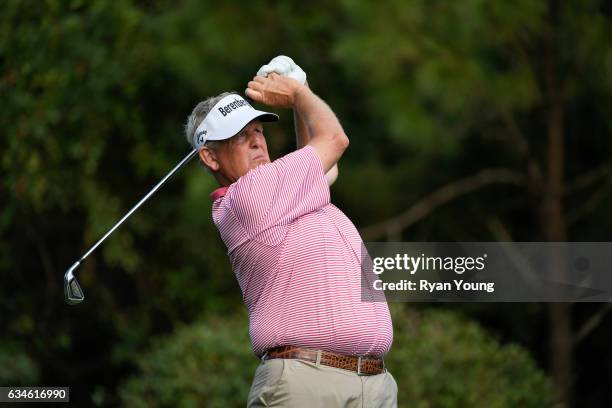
(277, 193)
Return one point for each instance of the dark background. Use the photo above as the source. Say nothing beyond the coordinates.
(469, 120)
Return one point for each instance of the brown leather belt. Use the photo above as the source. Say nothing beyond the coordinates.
(363, 365)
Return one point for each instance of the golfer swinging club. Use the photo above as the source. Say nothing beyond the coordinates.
(295, 255)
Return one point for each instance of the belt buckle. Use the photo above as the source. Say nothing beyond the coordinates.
(359, 366)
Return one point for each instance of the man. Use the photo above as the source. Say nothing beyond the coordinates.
(295, 255)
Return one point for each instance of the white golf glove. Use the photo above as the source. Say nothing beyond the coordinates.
(285, 66)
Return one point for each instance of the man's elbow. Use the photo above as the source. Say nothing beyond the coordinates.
(341, 141)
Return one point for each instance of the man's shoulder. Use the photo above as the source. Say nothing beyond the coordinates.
(264, 175)
(301, 155)
(274, 193)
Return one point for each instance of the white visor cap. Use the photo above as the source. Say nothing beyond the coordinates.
(227, 118)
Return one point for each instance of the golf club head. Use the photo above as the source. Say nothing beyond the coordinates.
(73, 295)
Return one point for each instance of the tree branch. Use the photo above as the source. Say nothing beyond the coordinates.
(534, 171)
(519, 140)
(586, 179)
(441, 196)
(592, 323)
(590, 204)
(499, 231)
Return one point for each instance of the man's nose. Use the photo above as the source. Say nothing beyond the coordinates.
(256, 139)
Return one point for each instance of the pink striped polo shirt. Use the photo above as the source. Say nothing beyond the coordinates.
(297, 260)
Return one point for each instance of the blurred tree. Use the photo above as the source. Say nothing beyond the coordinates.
(444, 361)
(85, 139)
(205, 364)
(94, 93)
(16, 367)
(501, 72)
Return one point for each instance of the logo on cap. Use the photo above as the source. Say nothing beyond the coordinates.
(230, 107)
(201, 134)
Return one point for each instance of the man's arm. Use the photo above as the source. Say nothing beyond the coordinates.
(326, 134)
(303, 137)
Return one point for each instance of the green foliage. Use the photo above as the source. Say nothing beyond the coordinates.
(17, 368)
(450, 65)
(206, 364)
(438, 359)
(455, 68)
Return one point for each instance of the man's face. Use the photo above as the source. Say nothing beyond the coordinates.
(242, 152)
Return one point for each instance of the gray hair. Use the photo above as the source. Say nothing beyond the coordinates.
(197, 116)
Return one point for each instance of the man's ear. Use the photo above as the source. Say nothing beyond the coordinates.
(209, 158)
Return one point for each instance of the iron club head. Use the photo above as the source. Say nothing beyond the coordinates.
(73, 295)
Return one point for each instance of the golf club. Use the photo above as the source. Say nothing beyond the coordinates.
(73, 294)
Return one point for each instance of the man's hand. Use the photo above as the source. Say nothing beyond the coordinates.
(320, 127)
(274, 90)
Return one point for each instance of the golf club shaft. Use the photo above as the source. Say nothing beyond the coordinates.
(145, 198)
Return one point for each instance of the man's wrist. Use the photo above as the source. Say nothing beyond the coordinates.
(300, 92)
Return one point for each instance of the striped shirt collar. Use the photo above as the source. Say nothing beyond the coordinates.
(218, 193)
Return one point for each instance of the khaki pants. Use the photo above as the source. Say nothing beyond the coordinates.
(297, 383)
